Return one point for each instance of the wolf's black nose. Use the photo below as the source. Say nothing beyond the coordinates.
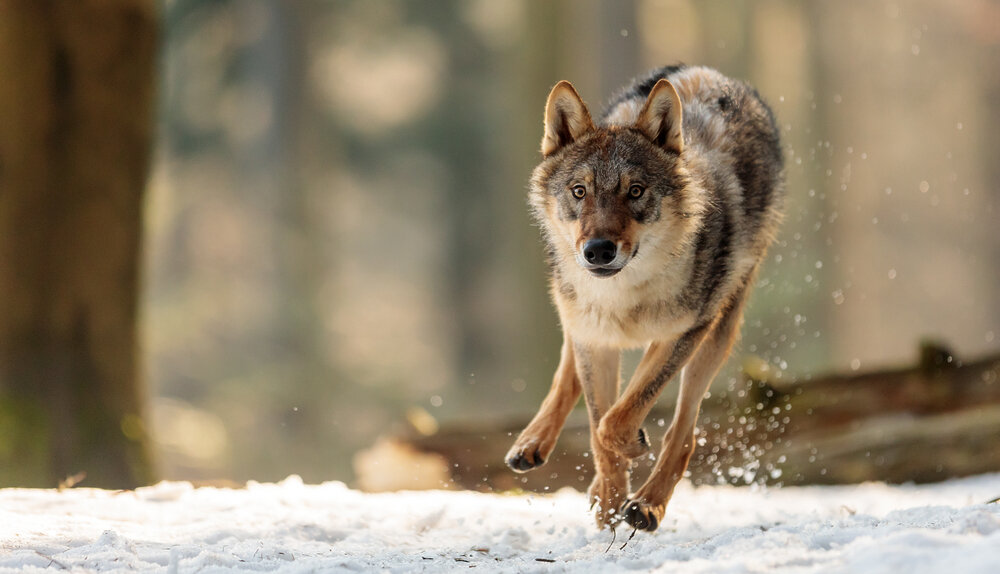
(599, 251)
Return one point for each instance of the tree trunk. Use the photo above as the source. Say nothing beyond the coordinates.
(76, 116)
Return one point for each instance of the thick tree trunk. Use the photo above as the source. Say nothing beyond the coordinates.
(76, 115)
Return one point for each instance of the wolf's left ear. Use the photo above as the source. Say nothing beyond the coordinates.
(660, 119)
(566, 118)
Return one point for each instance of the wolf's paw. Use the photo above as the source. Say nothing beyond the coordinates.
(642, 515)
(625, 442)
(526, 455)
(606, 496)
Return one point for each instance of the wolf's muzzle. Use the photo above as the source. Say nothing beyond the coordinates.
(599, 251)
(601, 257)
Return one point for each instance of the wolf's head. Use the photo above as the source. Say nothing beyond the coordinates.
(605, 194)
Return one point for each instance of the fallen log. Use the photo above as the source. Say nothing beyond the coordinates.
(937, 419)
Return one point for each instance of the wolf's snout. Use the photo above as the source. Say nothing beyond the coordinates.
(599, 251)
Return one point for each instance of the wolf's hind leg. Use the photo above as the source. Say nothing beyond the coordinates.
(647, 506)
(536, 441)
(598, 369)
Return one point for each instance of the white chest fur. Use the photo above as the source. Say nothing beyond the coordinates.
(628, 310)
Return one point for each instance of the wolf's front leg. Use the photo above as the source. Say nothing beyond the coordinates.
(534, 445)
(647, 506)
(598, 369)
(620, 429)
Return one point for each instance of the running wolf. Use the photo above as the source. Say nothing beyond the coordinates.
(655, 220)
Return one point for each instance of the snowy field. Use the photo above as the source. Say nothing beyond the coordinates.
(291, 527)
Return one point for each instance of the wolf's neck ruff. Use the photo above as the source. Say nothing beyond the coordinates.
(655, 220)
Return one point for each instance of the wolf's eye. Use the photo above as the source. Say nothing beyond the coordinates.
(579, 191)
(636, 191)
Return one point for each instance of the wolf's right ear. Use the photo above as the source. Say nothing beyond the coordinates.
(566, 118)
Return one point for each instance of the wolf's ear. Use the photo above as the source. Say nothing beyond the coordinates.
(566, 118)
(660, 119)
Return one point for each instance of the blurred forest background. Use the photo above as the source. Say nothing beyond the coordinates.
(336, 234)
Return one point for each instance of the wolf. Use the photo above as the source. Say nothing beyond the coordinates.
(655, 220)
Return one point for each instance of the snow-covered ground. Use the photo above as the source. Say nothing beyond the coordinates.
(292, 527)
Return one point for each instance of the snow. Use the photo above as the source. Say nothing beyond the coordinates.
(293, 527)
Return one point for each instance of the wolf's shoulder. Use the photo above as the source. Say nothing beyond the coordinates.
(704, 88)
(639, 88)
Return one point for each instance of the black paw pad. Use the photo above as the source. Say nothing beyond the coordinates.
(637, 517)
(522, 462)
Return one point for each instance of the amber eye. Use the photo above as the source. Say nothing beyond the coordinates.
(579, 191)
(636, 191)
